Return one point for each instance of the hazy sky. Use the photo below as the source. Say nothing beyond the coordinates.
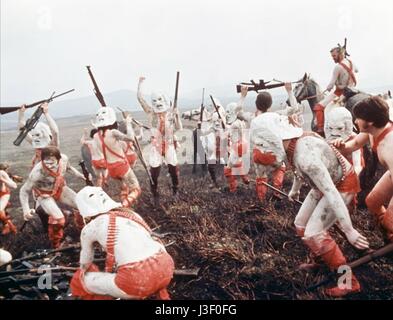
(46, 44)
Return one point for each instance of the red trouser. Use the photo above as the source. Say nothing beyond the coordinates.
(145, 278)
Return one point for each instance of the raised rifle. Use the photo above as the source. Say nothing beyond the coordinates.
(33, 120)
(357, 263)
(219, 114)
(175, 109)
(345, 48)
(262, 85)
(85, 173)
(202, 106)
(96, 90)
(5, 110)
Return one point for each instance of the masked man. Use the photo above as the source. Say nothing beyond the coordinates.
(333, 182)
(97, 158)
(48, 185)
(163, 122)
(137, 266)
(214, 140)
(6, 184)
(238, 144)
(109, 141)
(343, 77)
(372, 118)
(42, 135)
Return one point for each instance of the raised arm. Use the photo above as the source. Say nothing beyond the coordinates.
(146, 107)
(52, 125)
(22, 122)
(130, 136)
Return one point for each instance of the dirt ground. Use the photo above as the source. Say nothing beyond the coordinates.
(244, 249)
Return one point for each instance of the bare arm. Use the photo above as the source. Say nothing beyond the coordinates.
(74, 171)
(24, 193)
(355, 144)
(4, 177)
(322, 180)
(142, 101)
(52, 125)
(85, 137)
(87, 247)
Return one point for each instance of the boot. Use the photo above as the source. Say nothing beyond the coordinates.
(56, 231)
(232, 183)
(8, 225)
(324, 246)
(278, 179)
(212, 171)
(319, 110)
(174, 173)
(261, 188)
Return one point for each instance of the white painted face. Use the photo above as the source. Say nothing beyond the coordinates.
(41, 135)
(105, 116)
(51, 163)
(159, 102)
(93, 200)
(231, 111)
(338, 124)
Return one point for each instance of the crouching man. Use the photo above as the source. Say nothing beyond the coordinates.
(137, 266)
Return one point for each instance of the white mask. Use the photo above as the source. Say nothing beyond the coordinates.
(93, 200)
(106, 116)
(41, 135)
(159, 102)
(338, 124)
(231, 112)
(5, 257)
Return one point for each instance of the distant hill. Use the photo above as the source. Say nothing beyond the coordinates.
(126, 99)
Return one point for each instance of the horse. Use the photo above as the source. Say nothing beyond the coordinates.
(308, 89)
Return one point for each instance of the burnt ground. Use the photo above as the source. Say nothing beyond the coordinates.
(244, 250)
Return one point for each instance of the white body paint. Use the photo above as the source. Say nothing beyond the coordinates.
(38, 178)
(160, 108)
(133, 243)
(5, 257)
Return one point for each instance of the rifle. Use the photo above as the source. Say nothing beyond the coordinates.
(280, 192)
(357, 263)
(138, 150)
(202, 106)
(344, 47)
(176, 111)
(219, 115)
(262, 85)
(41, 254)
(96, 90)
(5, 110)
(85, 173)
(33, 120)
(35, 270)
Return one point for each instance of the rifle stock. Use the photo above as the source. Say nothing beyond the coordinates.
(85, 173)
